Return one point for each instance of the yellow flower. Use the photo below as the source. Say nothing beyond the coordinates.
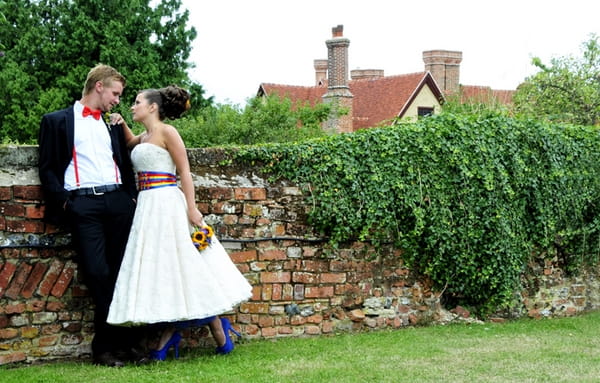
(201, 237)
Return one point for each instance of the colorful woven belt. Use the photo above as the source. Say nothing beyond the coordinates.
(153, 180)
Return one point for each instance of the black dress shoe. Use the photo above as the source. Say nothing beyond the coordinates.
(135, 356)
(108, 359)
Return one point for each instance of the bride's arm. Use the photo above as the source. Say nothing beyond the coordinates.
(176, 148)
(131, 139)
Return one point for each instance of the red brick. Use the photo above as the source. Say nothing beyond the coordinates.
(333, 278)
(17, 308)
(46, 341)
(34, 212)
(248, 232)
(285, 330)
(254, 308)
(243, 256)
(2, 223)
(29, 192)
(5, 193)
(12, 209)
(13, 358)
(3, 321)
(36, 305)
(6, 275)
(24, 226)
(63, 280)
(277, 292)
(18, 281)
(34, 279)
(230, 219)
(296, 320)
(267, 291)
(220, 193)
(271, 255)
(327, 327)
(266, 321)
(301, 277)
(275, 277)
(319, 292)
(250, 194)
(50, 278)
(315, 266)
(9, 333)
(268, 332)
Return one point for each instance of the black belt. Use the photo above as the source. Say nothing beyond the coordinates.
(96, 190)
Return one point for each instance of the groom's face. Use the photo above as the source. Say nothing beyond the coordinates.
(110, 94)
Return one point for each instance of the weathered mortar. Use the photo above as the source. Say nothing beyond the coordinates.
(301, 286)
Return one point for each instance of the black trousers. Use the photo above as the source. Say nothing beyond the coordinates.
(100, 227)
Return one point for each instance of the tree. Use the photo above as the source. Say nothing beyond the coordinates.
(568, 90)
(263, 120)
(52, 44)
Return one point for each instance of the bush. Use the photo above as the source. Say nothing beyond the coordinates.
(467, 198)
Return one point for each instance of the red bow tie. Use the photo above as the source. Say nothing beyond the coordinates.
(96, 113)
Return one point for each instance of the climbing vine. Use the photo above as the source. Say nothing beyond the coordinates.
(468, 198)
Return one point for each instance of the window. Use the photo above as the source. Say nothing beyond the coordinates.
(424, 111)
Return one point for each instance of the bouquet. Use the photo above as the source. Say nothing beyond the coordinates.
(202, 236)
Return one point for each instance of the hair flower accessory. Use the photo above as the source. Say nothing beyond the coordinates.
(202, 237)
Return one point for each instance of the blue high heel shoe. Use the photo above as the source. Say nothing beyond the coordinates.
(228, 346)
(172, 342)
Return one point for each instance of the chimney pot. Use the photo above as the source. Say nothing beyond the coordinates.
(338, 31)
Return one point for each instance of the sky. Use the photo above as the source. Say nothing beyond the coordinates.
(243, 43)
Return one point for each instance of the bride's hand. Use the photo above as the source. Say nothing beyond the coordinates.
(117, 119)
(196, 217)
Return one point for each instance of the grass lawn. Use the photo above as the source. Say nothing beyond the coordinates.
(549, 350)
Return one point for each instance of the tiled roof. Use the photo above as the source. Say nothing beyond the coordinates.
(375, 100)
(485, 94)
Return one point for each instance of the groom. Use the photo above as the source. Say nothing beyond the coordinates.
(88, 183)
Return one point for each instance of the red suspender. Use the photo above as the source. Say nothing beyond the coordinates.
(75, 166)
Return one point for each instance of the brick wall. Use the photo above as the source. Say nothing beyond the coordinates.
(301, 287)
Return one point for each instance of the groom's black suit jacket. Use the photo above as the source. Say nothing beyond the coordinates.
(56, 141)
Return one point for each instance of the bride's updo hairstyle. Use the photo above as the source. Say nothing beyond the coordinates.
(172, 101)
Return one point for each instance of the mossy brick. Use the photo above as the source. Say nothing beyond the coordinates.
(30, 332)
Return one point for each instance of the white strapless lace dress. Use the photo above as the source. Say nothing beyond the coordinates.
(163, 277)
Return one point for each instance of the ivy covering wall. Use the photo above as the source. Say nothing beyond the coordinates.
(468, 199)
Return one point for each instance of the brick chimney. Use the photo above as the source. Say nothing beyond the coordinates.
(338, 91)
(444, 67)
